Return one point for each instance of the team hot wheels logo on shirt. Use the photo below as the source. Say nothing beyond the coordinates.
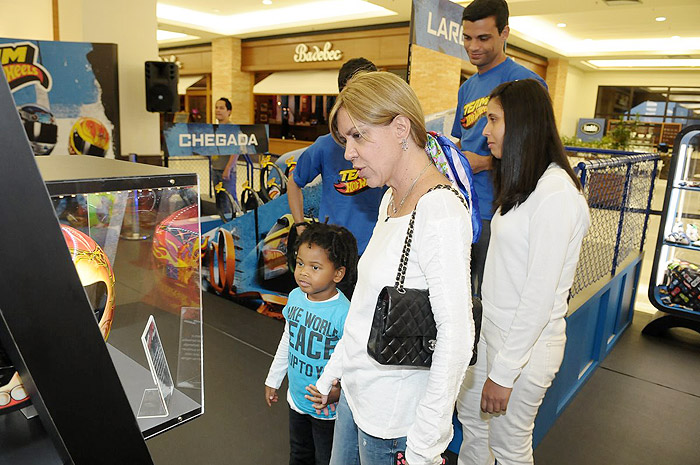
(350, 183)
(473, 111)
(19, 61)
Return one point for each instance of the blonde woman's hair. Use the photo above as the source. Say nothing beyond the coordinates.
(376, 98)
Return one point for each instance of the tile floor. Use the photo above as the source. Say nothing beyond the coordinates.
(641, 407)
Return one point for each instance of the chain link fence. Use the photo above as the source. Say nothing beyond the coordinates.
(619, 191)
(200, 166)
(194, 164)
(618, 187)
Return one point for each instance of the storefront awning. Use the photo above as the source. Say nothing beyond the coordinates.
(322, 82)
(185, 81)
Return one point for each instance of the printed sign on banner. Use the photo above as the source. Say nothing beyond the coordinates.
(187, 139)
(66, 94)
(437, 25)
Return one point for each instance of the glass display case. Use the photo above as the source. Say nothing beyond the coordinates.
(134, 235)
(675, 282)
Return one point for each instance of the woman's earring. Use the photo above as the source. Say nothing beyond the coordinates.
(404, 145)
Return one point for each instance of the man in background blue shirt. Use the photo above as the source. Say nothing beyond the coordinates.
(485, 33)
(346, 199)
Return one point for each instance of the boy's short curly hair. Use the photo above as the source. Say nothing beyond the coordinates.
(341, 247)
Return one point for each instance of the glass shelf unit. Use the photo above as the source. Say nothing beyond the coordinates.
(674, 286)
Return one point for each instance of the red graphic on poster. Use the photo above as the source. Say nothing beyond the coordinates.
(19, 61)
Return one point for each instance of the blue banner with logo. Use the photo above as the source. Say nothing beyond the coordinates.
(437, 25)
(187, 139)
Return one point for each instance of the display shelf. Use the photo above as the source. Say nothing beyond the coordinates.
(687, 188)
(675, 265)
(135, 379)
(671, 307)
(140, 224)
(682, 246)
(649, 133)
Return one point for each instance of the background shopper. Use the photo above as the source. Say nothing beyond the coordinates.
(387, 409)
(346, 200)
(485, 33)
(223, 167)
(540, 220)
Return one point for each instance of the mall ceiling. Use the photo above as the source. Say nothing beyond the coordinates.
(664, 31)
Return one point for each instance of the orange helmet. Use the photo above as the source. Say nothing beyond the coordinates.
(97, 278)
(95, 274)
(88, 136)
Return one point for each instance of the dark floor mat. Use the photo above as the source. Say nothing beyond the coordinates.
(672, 360)
(617, 419)
(237, 426)
(242, 323)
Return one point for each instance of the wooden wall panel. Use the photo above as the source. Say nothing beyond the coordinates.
(384, 47)
(195, 60)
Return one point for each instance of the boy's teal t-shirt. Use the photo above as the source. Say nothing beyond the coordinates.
(314, 330)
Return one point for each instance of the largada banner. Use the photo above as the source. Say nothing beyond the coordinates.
(66, 94)
(186, 139)
(437, 25)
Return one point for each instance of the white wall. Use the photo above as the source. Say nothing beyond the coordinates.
(576, 103)
(131, 24)
(582, 89)
(26, 19)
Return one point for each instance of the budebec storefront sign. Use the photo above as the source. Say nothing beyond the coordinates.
(185, 139)
(303, 53)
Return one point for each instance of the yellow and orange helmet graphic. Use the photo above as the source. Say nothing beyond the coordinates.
(88, 136)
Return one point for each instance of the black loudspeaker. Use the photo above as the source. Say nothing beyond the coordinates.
(161, 87)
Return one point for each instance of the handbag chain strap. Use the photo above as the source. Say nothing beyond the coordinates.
(403, 264)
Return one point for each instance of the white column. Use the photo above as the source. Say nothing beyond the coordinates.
(132, 25)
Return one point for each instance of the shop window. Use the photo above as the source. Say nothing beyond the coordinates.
(650, 104)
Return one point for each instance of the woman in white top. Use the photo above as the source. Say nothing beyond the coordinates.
(536, 233)
(386, 410)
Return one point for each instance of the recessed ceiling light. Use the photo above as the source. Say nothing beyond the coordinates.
(646, 63)
(311, 13)
(661, 19)
(675, 37)
(561, 25)
(588, 40)
(560, 41)
(267, 2)
(162, 35)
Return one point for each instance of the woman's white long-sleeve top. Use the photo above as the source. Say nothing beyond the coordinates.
(530, 267)
(389, 401)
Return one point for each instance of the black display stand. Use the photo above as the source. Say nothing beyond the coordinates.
(670, 315)
(661, 322)
(48, 328)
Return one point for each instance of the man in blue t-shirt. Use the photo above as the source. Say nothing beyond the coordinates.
(485, 32)
(346, 199)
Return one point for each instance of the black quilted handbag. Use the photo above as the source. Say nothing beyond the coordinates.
(403, 329)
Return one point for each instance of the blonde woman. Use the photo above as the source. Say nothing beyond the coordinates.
(387, 412)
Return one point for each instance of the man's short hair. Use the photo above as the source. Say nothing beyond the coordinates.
(480, 9)
(351, 67)
(227, 102)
